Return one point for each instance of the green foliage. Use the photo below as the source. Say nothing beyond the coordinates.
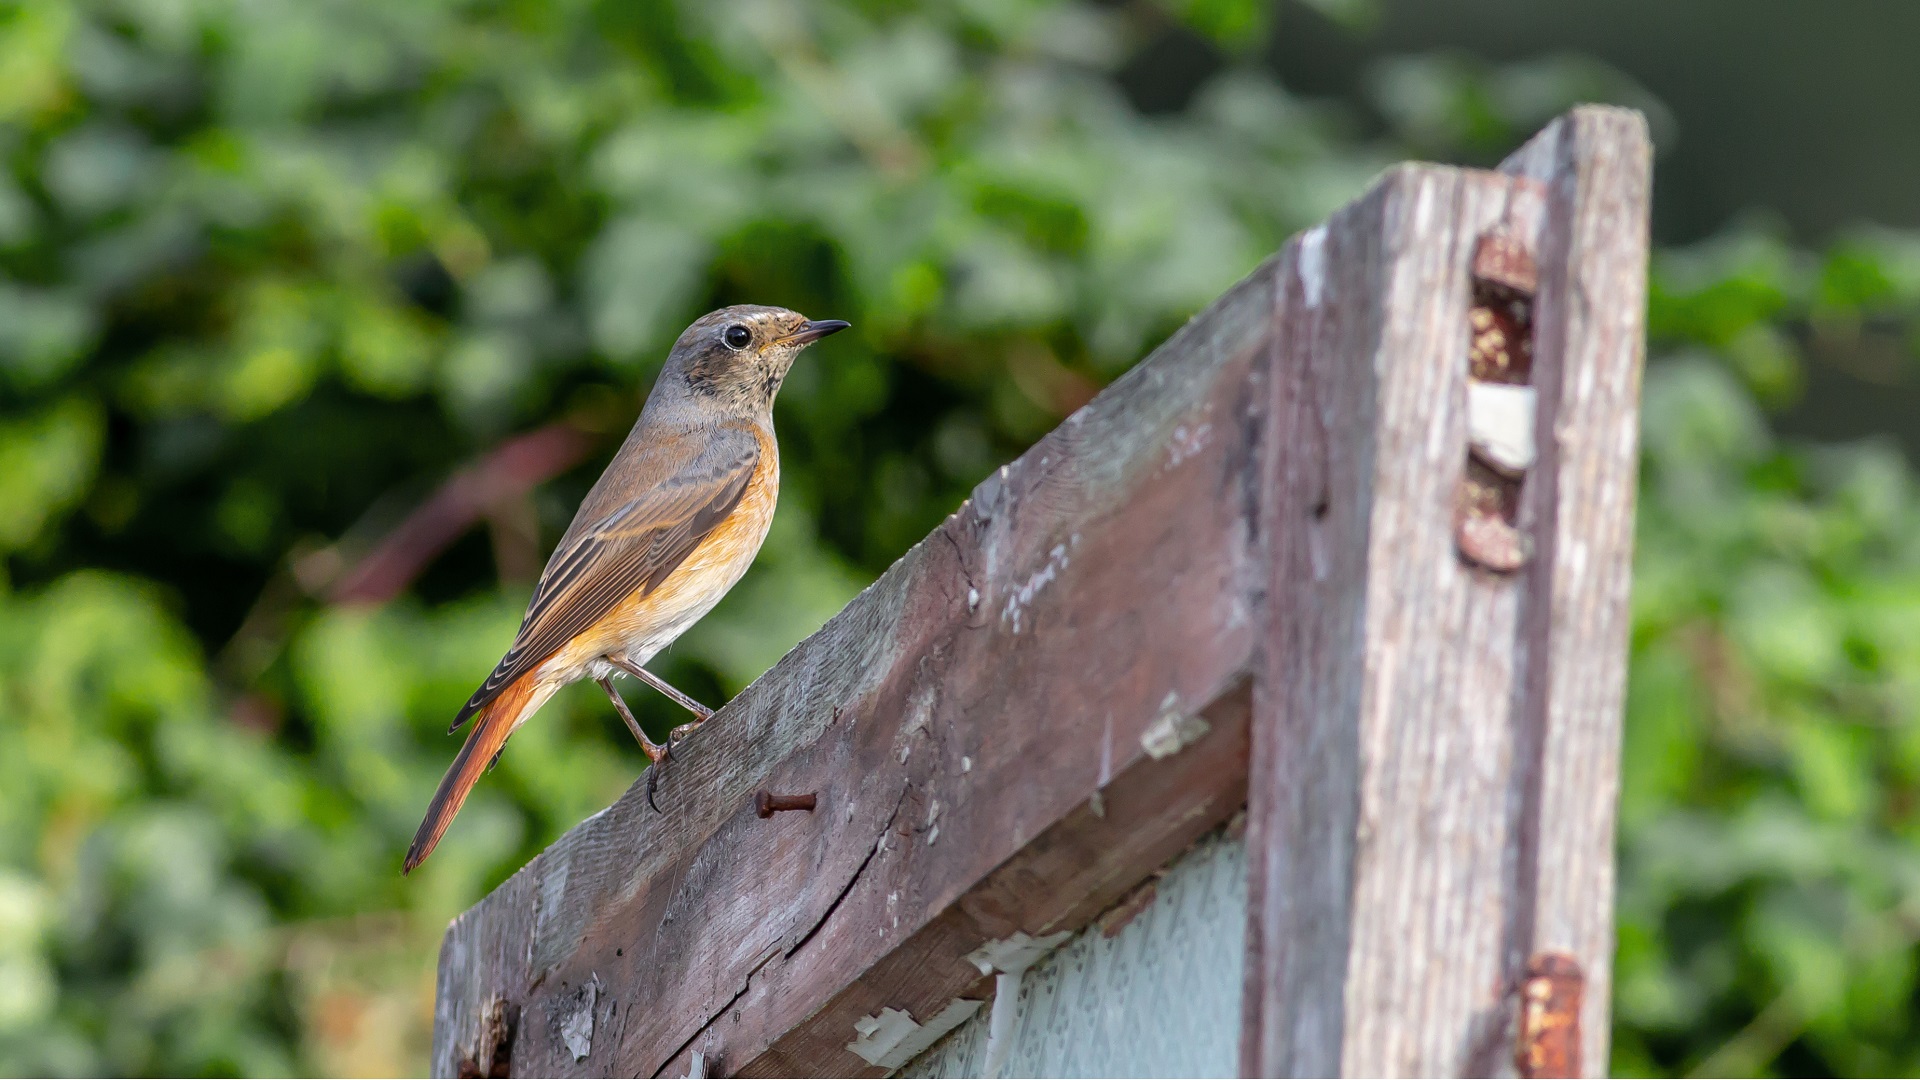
(271, 271)
(1770, 882)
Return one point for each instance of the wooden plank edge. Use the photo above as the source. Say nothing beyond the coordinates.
(1060, 882)
(487, 958)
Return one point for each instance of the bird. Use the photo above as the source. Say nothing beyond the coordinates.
(667, 530)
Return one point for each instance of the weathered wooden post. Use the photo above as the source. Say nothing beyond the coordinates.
(1437, 723)
(1350, 551)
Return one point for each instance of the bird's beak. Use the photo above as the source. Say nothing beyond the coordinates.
(813, 331)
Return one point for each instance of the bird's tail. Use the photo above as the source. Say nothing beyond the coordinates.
(496, 721)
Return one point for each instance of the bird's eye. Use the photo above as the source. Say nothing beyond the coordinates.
(737, 336)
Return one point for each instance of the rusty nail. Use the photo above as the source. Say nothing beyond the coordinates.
(767, 805)
(1549, 1043)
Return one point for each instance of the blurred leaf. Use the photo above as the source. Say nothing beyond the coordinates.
(47, 461)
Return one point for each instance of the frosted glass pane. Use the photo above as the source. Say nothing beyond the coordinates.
(1160, 998)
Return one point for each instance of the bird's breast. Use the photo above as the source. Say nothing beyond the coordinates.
(643, 624)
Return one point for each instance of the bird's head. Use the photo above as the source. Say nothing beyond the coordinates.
(737, 357)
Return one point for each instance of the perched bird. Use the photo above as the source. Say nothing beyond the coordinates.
(671, 525)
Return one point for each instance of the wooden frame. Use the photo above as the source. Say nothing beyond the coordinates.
(1257, 571)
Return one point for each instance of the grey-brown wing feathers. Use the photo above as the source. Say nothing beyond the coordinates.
(617, 546)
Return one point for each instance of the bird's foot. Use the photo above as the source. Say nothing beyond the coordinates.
(658, 754)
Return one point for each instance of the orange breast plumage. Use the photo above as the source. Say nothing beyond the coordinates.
(643, 624)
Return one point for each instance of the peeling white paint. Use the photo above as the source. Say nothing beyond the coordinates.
(1016, 953)
(1188, 442)
(1106, 751)
(1007, 960)
(891, 1037)
(576, 1031)
(973, 599)
(1057, 560)
(1172, 731)
(1313, 264)
(697, 1070)
(1000, 1022)
(966, 764)
(1500, 425)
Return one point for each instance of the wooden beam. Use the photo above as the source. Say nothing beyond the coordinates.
(1437, 709)
(1036, 707)
(1246, 549)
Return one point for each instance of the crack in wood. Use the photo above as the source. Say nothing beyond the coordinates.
(966, 572)
(878, 840)
(746, 985)
(707, 1026)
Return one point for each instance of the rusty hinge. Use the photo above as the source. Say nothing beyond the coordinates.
(1550, 998)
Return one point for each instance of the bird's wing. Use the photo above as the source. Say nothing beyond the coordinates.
(633, 546)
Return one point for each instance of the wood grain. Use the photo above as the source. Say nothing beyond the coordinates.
(958, 721)
(1233, 578)
(1436, 746)
(1597, 165)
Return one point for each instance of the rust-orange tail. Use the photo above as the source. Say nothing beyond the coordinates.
(496, 721)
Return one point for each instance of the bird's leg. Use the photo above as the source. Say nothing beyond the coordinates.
(656, 753)
(700, 712)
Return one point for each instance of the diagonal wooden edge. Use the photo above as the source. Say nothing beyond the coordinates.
(1032, 710)
(957, 722)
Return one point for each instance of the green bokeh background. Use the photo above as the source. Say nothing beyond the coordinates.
(272, 270)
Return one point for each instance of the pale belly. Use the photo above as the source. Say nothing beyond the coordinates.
(640, 627)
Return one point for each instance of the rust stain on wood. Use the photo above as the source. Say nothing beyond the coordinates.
(1550, 1000)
